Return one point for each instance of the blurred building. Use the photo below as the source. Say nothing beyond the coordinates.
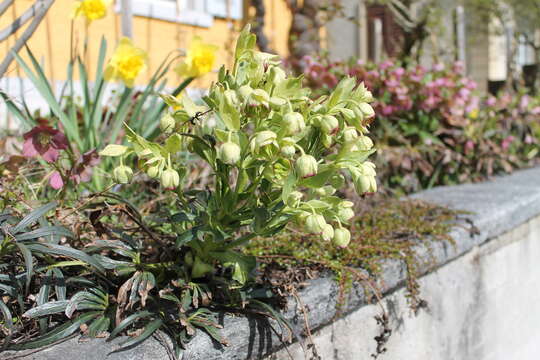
(484, 46)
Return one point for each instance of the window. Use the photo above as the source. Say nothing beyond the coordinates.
(192, 12)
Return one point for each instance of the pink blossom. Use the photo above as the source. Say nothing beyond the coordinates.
(524, 103)
(438, 67)
(458, 67)
(386, 64)
(56, 181)
(469, 145)
(45, 141)
(506, 142)
(387, 110)
(491, 101)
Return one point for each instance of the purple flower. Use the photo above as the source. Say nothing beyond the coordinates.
(491, 101)
(56, 181)
(386, 64)
(82, 172)
(45, 141)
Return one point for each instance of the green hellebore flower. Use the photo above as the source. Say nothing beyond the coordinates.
(245, 91)
(229, 153)
(167, 123)
(293, 123)
(170, 179)
(364, 178)
(364, 143)
(294, 199)
(122, 174)
(345, 214)
(262, 138)
(231, 98)
(288, 151)
(342, 237)
(260, 97)
(154, 171)
(350, 134)
(329, 124)
(326, 190)
(366, 110)
(315, 224)
(306, 166)
(328, 232)
(276, 75)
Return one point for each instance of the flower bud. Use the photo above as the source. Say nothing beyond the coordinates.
(345, 214)
(328, 232)
(366, 110)
(294, 198)
(122, 174)
(306, 166)
(262, 138)
(260, 97)
(288, 151)
(342, 237)
(245, 91)
(329, 124)
(200, 268)
(154, 171)
(231, 98)
(364, 178)
(167, 123)
(315, 224)
(326, 190)
(276, 75)
(293, 123)
(170, 179)
(364, 143)
(350, 134)
(229, 153)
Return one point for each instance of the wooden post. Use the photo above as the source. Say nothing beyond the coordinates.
(127, 18)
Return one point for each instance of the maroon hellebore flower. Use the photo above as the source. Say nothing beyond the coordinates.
(45, 141)
(82, 172)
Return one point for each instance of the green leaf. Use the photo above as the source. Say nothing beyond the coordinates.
(288, 186)
(28, 262)
(149, 329)
(32, 217)
(129, 321)
(49, 308)
(318, 180)
(45, 231)
(114, 150)
(67, 251)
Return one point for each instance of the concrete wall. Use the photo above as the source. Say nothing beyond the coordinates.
(482, 305)
(482, 295)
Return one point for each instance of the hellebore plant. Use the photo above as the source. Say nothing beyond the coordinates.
(277, 158)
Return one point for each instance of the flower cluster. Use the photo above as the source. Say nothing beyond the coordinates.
(277, 155)
(433, 126)
(440, 92)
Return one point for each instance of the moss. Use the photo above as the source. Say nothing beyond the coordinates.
(383, 229)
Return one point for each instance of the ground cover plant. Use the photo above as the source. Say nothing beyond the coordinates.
(432, 126)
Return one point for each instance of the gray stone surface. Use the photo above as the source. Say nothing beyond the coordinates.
(497, 206)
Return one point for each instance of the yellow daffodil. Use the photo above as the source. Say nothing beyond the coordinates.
(91, 9)
(200, 59)
(126, 63)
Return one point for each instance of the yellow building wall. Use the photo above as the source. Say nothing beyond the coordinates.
(51, 43)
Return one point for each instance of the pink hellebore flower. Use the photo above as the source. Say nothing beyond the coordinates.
(45, 141)
(386, 64)
(491, 101)
(56, 181)
(438, 67)
(506, 142)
